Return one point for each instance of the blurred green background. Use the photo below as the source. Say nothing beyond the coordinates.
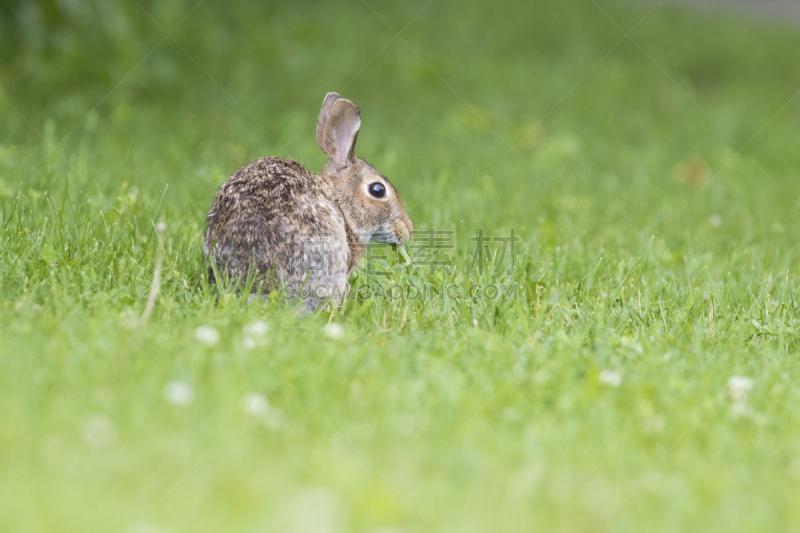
(645, 153)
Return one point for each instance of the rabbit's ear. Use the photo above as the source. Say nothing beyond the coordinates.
(337, 129)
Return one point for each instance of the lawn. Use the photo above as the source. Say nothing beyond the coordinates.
(630, 364)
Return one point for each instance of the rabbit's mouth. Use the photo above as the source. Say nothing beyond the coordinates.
(387, 236)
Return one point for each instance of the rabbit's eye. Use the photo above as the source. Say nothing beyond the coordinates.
(377, 189)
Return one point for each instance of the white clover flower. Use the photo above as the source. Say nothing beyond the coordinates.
(741, 409)
(333, 330)
(255, 334)
(715, 221)
(256, 329)
(314, 509)
(99, 431)
(794, 468)
(738, 387)
(542, 376)
(255, 404)
(206, 335)
(178, 393)
(631, 343)
(610, 378)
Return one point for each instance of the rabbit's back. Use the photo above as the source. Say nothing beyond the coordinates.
(275, 218)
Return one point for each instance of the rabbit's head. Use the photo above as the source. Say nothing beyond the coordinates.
(369, 202)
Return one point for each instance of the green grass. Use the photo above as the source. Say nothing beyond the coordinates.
(653, 185)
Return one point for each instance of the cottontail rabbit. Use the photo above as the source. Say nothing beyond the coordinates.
(303, 231)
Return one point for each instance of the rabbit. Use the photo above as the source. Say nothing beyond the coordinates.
(301, 231)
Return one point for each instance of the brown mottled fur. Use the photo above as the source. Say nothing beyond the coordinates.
(305, 231)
